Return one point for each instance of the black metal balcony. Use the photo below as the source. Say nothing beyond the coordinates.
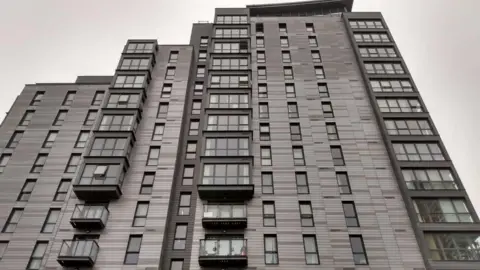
(89, 217)
(78, 253)
(238, 189)
(222, 253)
(224, 216)
(99, 182)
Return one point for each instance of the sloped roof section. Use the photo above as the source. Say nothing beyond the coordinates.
(317, 7)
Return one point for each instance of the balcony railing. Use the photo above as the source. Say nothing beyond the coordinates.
(223, 253)
(226, 188)
(89, 216)
(78, 253)
(455, 254)
(445, 218)
(431, 185)
(224, 216)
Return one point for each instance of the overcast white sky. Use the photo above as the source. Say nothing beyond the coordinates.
(56, 40)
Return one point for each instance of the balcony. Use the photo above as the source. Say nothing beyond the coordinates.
(225, 191)
(78, 253)
(99, 182)
(223, 253)
(224, 216)
(89, 217)
(431, 185)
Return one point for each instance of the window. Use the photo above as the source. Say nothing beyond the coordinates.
(312, 41)
(173, 57)
(264, 132)
(228, 122)
(15, 139)
(319, 73)
(147, 183)
(228, 101)
(226, 174)
(298, 156)
(310, 28)
(204, 42)
(292, 110)
(316, 57)
(176, 264)
(453, 246)
(158, 132)
(184, 206)
(327, 109)
(196, 107)
(332, 131)
(226, 147)
(98, 98)
(188, 175)
(162, 109)
(442, 211)
(73, 163)
(295, 132)
(27, 118)
(286, 58)
(50, 221)
(260, 42)
(337, 156)
(153, 156)
(366, 24)
(140, 47)
(191, 150)
(4, 161)
(26, 191)
(231, 47)
(269, 214)
(104, 174)
(117, 123)
(200, 71)
(267, 183)
(35, 262)
(429, 179)
(282, 27)
(391, 86)
(51, 136)
(288, 73)
(408, 127)
(418, 151)
(12, 220)
(108, 147)
(311, 251)
(372, 37)
(343, 183)
(166, 90)
(132, 81)
(90, 119)
(230, 63)
(229, 81)
(37, 98)
(141, 212)
(284, 42)
(384, 68)
(399, 105)
(170, 74)
(69, 98)
(3, 248)
(261, 57)
(262, 73)
(350, 213)
(377, 52)
(323, 90)
(82, 139)
(222, 211)
(135, 64)
(290, 90)
(266, 155)
(62, 190)
(133, 249)
(306, 214)
(180, 236)
(202, 56)
(193, 129)
(231, 32)
(39, 163)
(358, 250)
(262, 91)
(271, 249)
(259, 28)
(263, 111)
(198, 89)
(302, 183)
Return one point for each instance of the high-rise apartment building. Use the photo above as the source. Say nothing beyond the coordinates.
(284, 136)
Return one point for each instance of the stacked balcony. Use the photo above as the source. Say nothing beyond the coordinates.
(78, 253)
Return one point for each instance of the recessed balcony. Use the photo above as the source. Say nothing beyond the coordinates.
(89, 217)
(223, 253)
(78, 253)
(224, 216)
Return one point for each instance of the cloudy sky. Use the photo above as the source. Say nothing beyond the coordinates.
(56, 40)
